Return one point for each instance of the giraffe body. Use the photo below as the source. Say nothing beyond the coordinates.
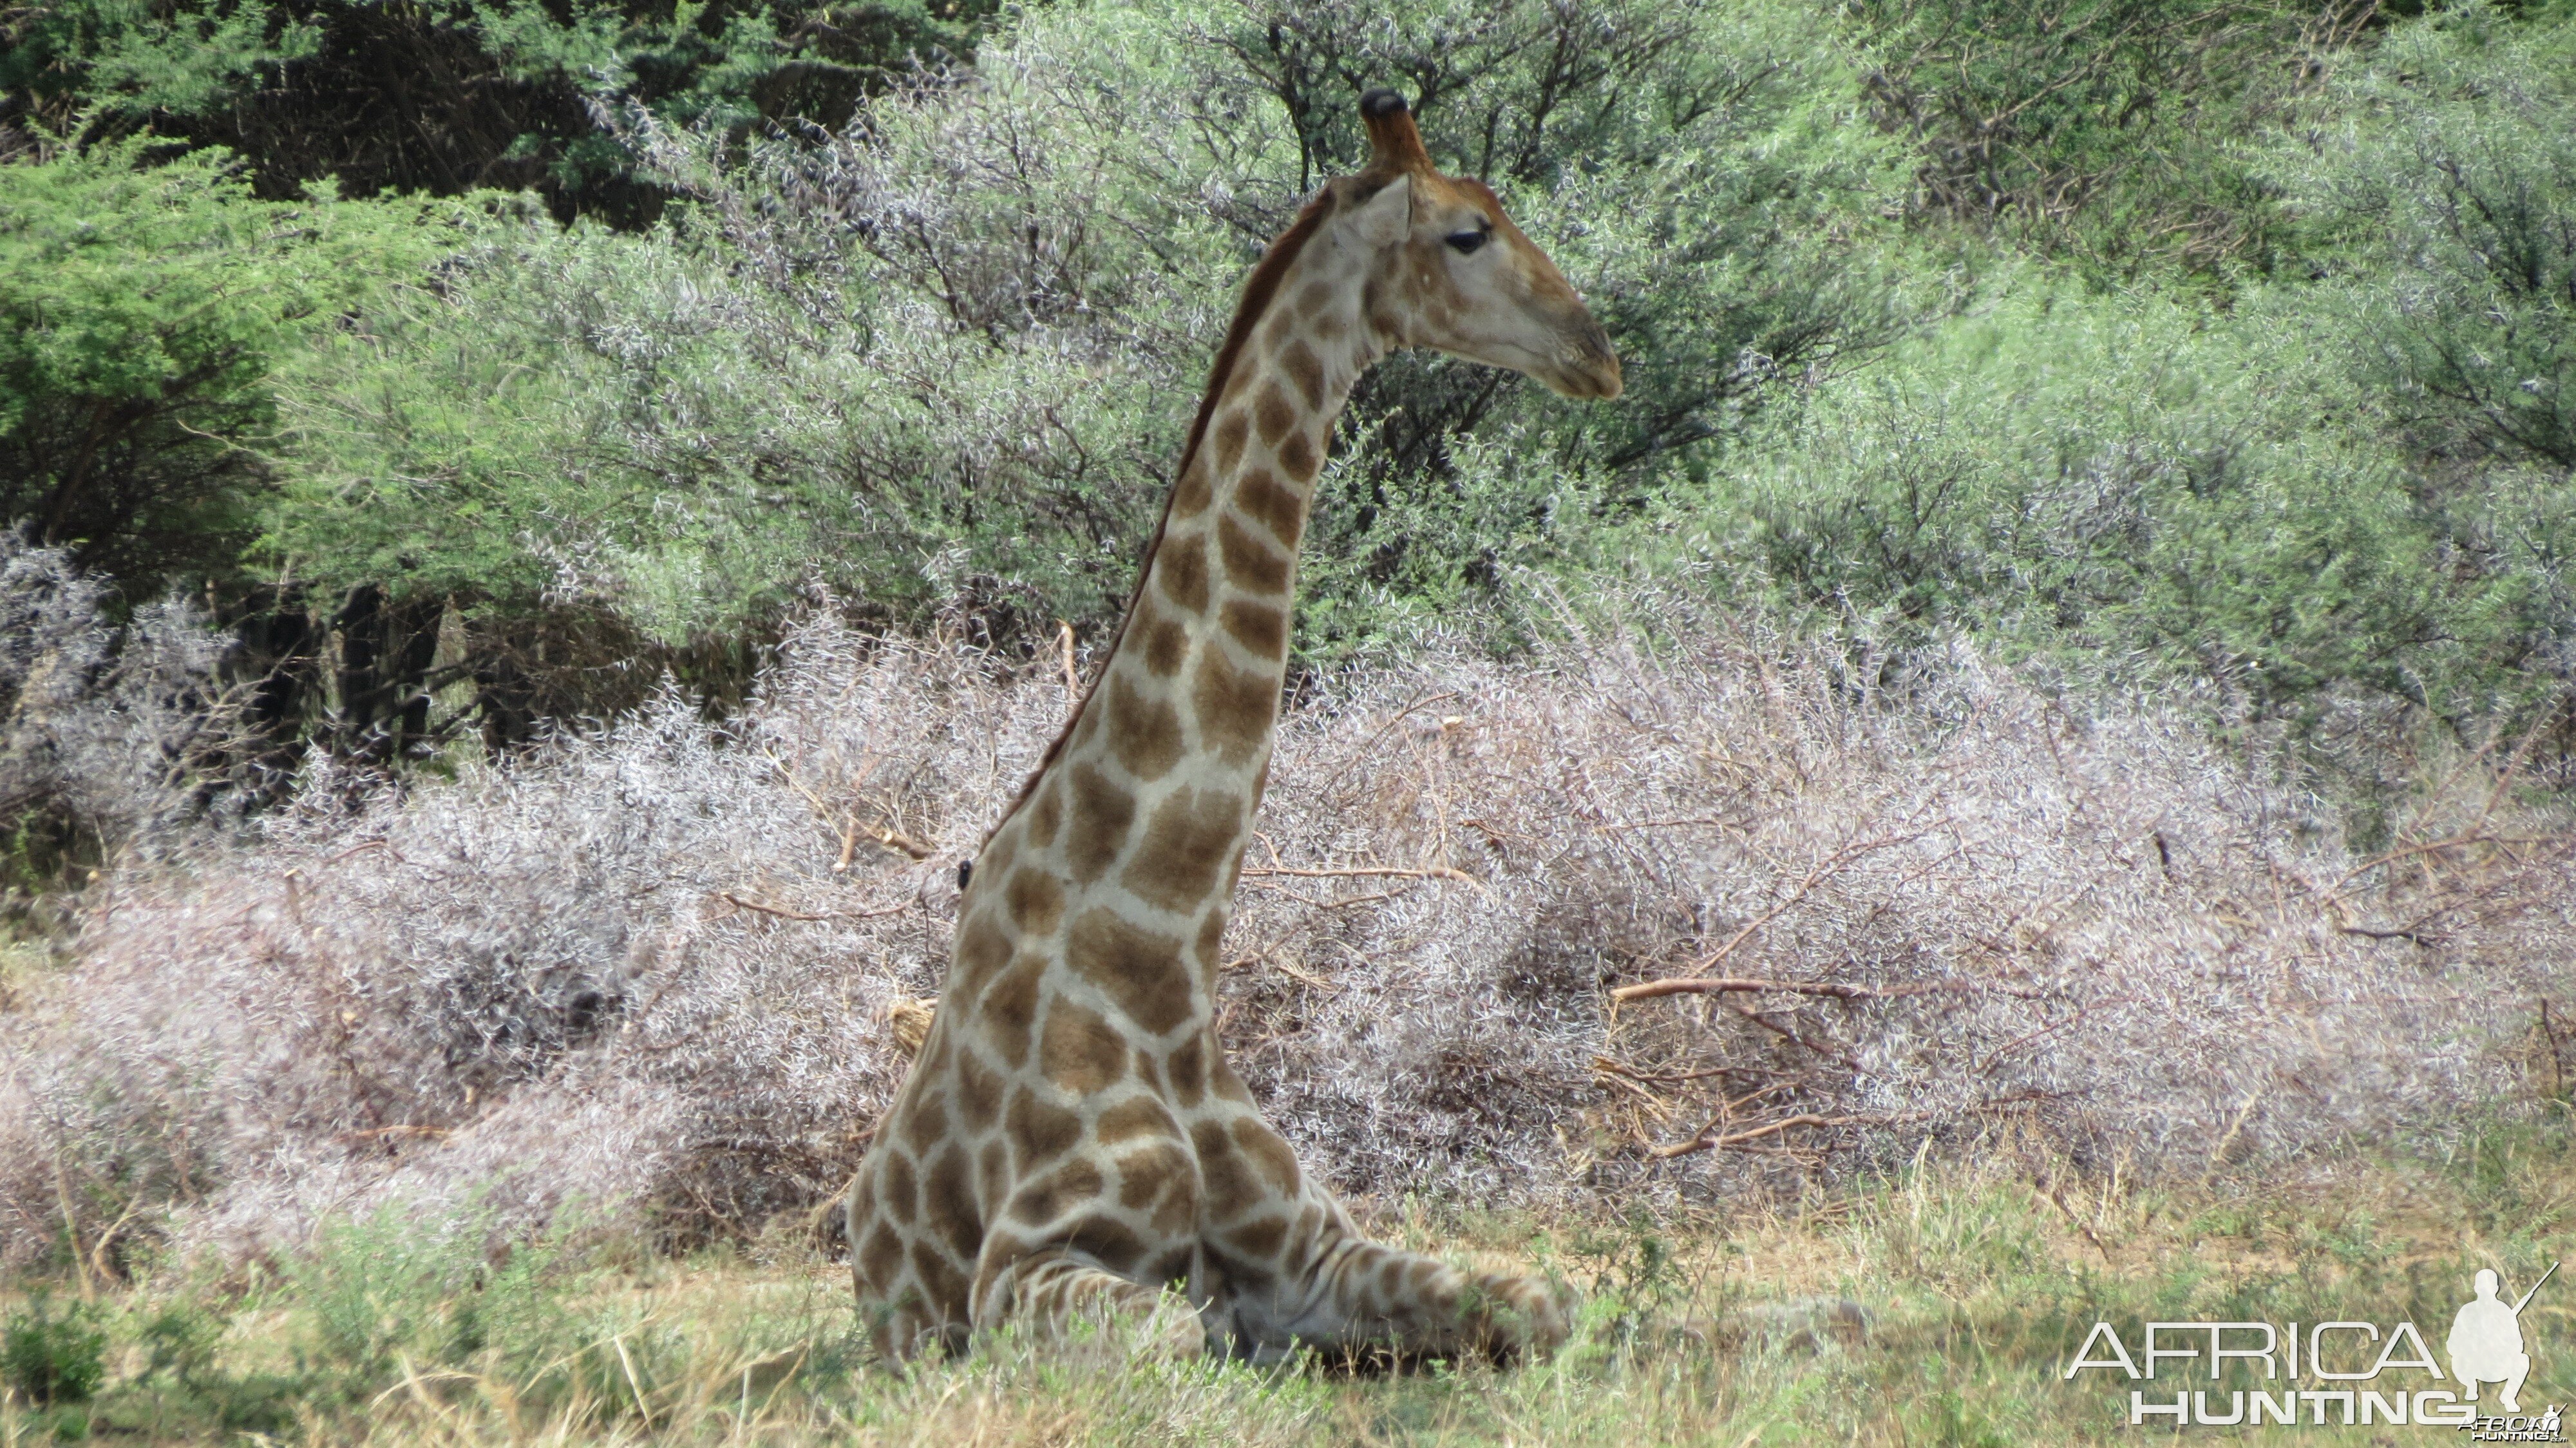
(1071, 1141)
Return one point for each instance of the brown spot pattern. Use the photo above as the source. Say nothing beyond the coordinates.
(1045, 815)
(1109, 1244)
(1056, 1193)
(1147, 1174)
(1186, 844)
(979, 1092)
(1268, 1151)
(925, 1123)
(1306, 370)
(1039, 1132)
(1167, 647)
(1146, 730)
(1078, 1051)
(882, 1257)
(1142, 1116)
(1250, 564)
(1261, 628)
(983, 947)
(1181, 568)
(950, 1202)
(1259, 1237)
(1010, 1008)
(1274, 413)
(1139, 970)
(1036, 901)
(1298, 456)
(1266, 501)
(1190, 496)
(1234, 708)
(1102, 814)
(899, 1189)
(1231, 434)
(1231, 1191)
(1185, 1073)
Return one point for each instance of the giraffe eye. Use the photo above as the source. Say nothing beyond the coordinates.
(1463, 242)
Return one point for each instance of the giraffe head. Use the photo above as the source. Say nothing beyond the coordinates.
(1450, 271)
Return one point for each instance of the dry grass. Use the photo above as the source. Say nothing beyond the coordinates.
(660, 969)
(1697, 1330)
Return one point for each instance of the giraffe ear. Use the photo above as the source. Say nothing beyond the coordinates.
(1386, 219)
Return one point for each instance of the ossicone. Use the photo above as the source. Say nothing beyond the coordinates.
(1396, 146)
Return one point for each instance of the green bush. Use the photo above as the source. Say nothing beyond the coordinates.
(2139, 482)
(2107, 128)
(376, 1292)
(2438, 191)
(50, 1357)
(945, 362)
(143, 300)
(451, 95)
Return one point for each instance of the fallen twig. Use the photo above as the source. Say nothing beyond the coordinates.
(1817, 876)
(1725, 985)
(783, 913)
(1706, 1142)
(1432, 872)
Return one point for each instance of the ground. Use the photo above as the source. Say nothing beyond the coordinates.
(1979, 1284)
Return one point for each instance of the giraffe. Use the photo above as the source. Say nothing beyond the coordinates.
(1070, 1142)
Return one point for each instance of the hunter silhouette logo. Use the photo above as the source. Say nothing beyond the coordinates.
(2486, 1340)
(2343, 1372)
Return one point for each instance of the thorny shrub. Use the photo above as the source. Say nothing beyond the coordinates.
(661, 968)
(111, 739)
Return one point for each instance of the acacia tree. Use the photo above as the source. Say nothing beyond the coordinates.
(142, 303)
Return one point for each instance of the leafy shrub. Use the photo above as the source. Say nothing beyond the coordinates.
(2124, 482)
(142, 301)
(481, 94)
(945, 357)
(2441, 187)
(52, 1356)
(2106, 126)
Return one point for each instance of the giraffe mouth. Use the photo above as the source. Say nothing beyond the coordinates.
(1585, 366)
(1586, 378)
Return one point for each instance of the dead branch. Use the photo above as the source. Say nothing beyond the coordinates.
(783, 913)
(1705, 1141)
(897, 840)
(1726, 985)
(1432, 872)
(1823, 870)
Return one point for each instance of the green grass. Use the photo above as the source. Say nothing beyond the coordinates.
(1980, 1283)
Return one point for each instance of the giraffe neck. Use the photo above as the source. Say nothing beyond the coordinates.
(1188, 697)
(1140, 814)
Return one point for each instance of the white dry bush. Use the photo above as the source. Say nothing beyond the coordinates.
(658, 969)
(124, 731)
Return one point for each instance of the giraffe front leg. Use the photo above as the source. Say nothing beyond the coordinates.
(1364, 1294)
(1051, 1292)
(1297, 1272)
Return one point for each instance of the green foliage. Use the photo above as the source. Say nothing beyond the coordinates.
(945, 362)
(2229, 343)
(381, 1291)
(2105, 127)
(2136, 478)
(52, 1356)
(448, 95)
(141, 305)
(2440, 186)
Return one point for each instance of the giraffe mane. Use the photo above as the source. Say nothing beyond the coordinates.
(1259, 290)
